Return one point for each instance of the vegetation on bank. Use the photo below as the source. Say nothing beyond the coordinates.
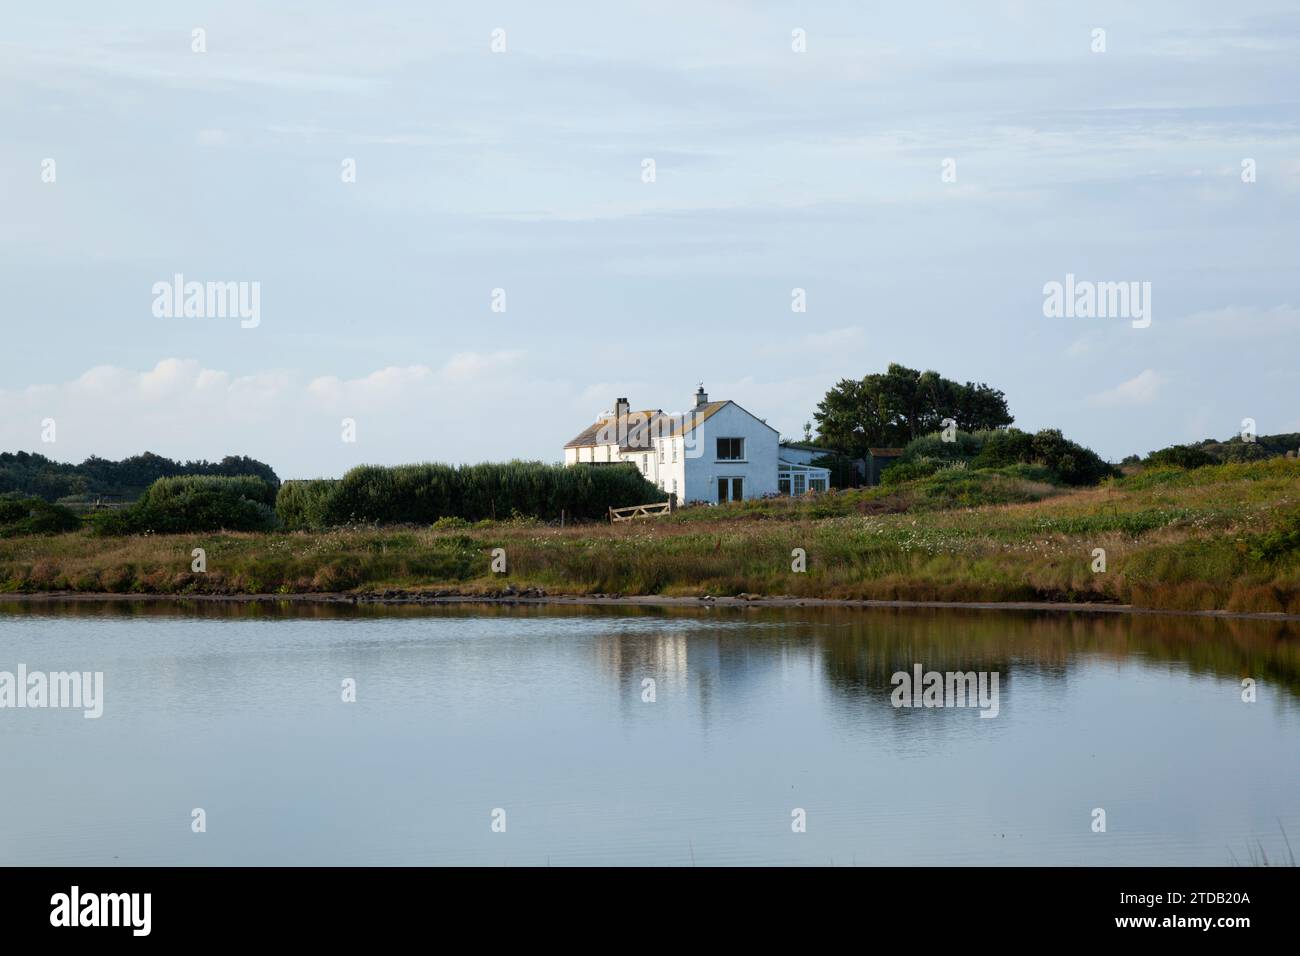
(366, 495)
(1047, 455)
(195, 503)
(24, 516)
(423, 494)
(1218, 537)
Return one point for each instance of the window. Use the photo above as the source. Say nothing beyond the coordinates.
(816, 484)
(645, 464)
(661, 451)
(673, 442)
(731, 449)
(731, 489)
(783, 484)
(674, 486)
(799, 480)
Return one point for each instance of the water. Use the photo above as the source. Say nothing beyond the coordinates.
(237, 710)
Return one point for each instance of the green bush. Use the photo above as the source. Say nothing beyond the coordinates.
(423, 494)
(35, 516)
(196, 503)
(960, 487)
(172, 492)
(1180, 456)
(450, 523)
(1071, 463)
(305, 504)
(904, 471)
(1281, 542)
(964, 446)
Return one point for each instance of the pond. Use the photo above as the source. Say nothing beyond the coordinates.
(290, 734)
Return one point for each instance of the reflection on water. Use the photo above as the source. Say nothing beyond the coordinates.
(542, 711)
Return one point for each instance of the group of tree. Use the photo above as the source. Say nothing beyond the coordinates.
(902, 404)
(941, 423)
(25, 474)
(1211, 451)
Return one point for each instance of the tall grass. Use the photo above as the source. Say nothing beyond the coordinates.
(423, 494)
(305, 503)
(168, 492)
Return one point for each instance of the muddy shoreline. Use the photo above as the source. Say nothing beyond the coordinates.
(538, 598)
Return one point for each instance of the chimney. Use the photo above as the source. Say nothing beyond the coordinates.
(701, 397)
(621, 408)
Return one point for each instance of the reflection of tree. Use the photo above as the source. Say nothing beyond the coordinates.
(865, 649)
(860, 649)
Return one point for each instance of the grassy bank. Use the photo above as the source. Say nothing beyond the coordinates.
(1224, 537)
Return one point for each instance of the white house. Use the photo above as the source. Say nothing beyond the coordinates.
(715, 452)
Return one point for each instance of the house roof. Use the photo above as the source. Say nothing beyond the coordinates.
(639, 429)
(697, 416)
(821, 450)
(886, 452)
(634, 427)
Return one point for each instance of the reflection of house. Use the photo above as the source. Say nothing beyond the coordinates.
(713, 453)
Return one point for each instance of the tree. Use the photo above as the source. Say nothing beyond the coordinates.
(892, 408)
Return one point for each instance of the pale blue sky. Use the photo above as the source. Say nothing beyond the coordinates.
(522, 170)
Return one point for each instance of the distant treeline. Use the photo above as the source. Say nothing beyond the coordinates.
(24, 474)
(1211, 451)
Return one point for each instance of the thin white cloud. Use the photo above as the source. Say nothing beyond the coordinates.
(1141, 389)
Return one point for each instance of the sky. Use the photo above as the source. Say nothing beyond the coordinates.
(920, 170)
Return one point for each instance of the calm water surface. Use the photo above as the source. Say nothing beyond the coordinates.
(238, 710)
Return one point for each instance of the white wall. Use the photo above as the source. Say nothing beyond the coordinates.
(758, 469)
(800, 456)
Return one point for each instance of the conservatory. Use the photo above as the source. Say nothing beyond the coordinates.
(793, 478)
